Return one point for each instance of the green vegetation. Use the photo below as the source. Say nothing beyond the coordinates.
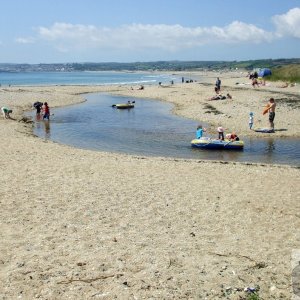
(253, 296)
(288, 73)
(185, 65)
(265, 63)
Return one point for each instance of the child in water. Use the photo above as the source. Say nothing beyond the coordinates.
(251, 120)
(46, 111)
(199, 132)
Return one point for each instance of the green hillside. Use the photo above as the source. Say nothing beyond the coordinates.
(288, 73)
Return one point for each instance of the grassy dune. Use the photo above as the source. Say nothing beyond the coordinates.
(288, 73)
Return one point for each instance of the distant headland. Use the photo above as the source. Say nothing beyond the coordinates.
(282, 69)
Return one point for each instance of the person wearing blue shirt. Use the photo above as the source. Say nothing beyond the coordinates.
(199, 132)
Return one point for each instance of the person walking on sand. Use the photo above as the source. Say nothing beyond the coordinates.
(46, 111)
(271, 109)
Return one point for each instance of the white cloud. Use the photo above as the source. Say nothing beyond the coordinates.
(242, 32)
(67, 37)
(29, 40)
(289, 23)
(141, 36)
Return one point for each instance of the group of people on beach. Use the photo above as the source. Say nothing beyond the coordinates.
(270, 108)
(218, 95)
(231, 136)
(42, 109)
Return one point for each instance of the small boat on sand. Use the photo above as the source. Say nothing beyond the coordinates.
(208, 143)
(264, 130)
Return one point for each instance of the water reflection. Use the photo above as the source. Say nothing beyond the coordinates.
(47, 129)
(38, 117)
(270, 145)
(43, 127)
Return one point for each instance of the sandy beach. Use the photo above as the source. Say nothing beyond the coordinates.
(80, 224)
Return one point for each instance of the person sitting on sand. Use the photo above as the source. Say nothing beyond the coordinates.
(217, 97)
(229, 96)
(199, 132)
(6, 112)
(285, 85)
(141, 87)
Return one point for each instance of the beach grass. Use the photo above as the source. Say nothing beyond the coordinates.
(289, 73)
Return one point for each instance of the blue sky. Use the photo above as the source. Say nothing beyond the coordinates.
(49, 31)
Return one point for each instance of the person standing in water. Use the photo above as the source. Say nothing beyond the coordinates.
(46, 111)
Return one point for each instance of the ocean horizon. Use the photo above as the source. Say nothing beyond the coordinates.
(84, 78)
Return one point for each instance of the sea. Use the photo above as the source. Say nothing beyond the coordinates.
(85, 78)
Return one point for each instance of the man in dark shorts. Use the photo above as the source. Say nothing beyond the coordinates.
(218, 85)
(272, 106)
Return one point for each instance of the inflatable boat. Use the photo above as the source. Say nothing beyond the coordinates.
(264, 130)
(124, 105)
(207, 143)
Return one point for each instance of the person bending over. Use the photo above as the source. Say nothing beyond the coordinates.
(6, 112)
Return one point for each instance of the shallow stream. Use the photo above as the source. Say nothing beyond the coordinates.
(150, 129)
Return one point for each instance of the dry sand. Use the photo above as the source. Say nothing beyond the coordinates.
(78, 224)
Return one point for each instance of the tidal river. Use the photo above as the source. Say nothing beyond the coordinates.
(150, 129)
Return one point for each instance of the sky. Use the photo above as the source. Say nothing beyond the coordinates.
(66, 31)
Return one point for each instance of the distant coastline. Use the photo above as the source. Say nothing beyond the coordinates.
(146, 66)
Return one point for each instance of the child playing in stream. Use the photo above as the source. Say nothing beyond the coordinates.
(199, 132)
